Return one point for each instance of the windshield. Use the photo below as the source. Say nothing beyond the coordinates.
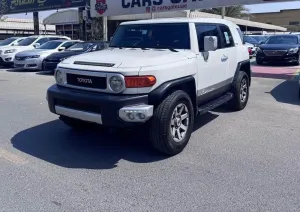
(50, 45)
(282, 40)
(80, 47)
(159, 36)
(27, 41)
(260, 38)
(7, 41)
(249, 39)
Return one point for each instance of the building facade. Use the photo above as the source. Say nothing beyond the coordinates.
(289, 19)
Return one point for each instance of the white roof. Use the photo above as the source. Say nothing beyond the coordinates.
(62, 17)
(26, 26)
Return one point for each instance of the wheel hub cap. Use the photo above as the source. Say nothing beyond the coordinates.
(179, 122)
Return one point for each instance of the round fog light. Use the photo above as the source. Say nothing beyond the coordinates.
(130, 116)
(142, 116)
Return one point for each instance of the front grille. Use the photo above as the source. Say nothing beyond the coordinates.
(78, 106)
(86, 81)
(93, 64)
(275, 52)
(21, 58)
(49, 66)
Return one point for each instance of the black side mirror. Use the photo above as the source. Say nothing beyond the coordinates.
(261, 42)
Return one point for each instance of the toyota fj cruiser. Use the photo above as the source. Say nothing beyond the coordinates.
(161, 73)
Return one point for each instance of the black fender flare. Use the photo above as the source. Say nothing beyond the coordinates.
(243, 66)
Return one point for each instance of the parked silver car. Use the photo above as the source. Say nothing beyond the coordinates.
(33, 59)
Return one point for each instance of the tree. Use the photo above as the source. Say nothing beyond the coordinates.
(233, 11)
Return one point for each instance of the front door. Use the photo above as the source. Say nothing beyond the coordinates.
(212, 66)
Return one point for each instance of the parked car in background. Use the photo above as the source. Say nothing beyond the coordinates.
(51, 62)
(7, 54)
(279, 48)
(13, 41)
(33, 59)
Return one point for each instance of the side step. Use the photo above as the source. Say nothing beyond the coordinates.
(215, 103)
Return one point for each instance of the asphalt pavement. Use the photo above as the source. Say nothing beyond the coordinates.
(235, 161)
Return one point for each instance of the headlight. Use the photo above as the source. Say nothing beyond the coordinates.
(59, 77)
(116, 83)
(293, 50)
(259, 49)
(34, 56)
(10, 51)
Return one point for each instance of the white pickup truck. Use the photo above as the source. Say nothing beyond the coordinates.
(160, 73)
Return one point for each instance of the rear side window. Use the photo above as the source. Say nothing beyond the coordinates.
(207, 30)
(227, 36)
(241, 34)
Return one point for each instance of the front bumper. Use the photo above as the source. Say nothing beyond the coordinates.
(29, 64)
(50, 65)
(289, 58)
(7, 59)
(105, 109)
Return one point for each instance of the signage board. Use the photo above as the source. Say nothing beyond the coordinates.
(124, 7)
(23, 6)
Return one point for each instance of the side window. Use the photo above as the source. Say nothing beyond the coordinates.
(227, 36)
(20, 40)
(54, 38)
(42, 41)
(68, 44)
(207, 30)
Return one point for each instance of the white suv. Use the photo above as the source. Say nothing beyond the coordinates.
(7, 54)
(160, 73)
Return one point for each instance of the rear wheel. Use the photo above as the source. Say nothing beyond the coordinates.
(172, 123)
(240, 92)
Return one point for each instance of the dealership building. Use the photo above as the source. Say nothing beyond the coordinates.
(67, 23)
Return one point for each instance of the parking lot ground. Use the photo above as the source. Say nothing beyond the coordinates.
(235, 161)
(281, 71)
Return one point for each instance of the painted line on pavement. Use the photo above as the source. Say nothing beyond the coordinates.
(15, 159)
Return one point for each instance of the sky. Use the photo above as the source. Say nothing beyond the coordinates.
(273, 7)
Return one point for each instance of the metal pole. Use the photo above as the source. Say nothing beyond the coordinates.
(36, 23)
(105, 28)
(223, 12)
(152, 15)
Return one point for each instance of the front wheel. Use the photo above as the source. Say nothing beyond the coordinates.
(240, 92)
(172, 124)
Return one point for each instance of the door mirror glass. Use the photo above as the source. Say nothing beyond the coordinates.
(210, 43)
(36, 45)
(61, 49)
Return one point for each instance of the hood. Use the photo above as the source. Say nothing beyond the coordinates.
(277, 46)
(35, 52)
(18, 48)
(64, 54)
(131, 58)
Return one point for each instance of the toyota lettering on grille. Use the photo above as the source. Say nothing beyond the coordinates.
(85, 80)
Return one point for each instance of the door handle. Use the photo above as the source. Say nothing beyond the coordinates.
(224, 58)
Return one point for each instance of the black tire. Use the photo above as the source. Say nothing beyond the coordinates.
(240, 92)
(76, 123)
(297, 63)
(299, 91)
(160, 126)
(259, 61)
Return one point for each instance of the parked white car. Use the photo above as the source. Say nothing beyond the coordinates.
(13, 41)
(7, 54)
(159, 73)
(33, 59)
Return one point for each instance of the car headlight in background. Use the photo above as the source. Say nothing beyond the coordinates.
(59, 77)
(34, 56)
(293, 50)
(116, 83)
(10, 51)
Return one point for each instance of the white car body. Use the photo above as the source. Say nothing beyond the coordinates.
(7, 54)
(164, 64)
(33, 59)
